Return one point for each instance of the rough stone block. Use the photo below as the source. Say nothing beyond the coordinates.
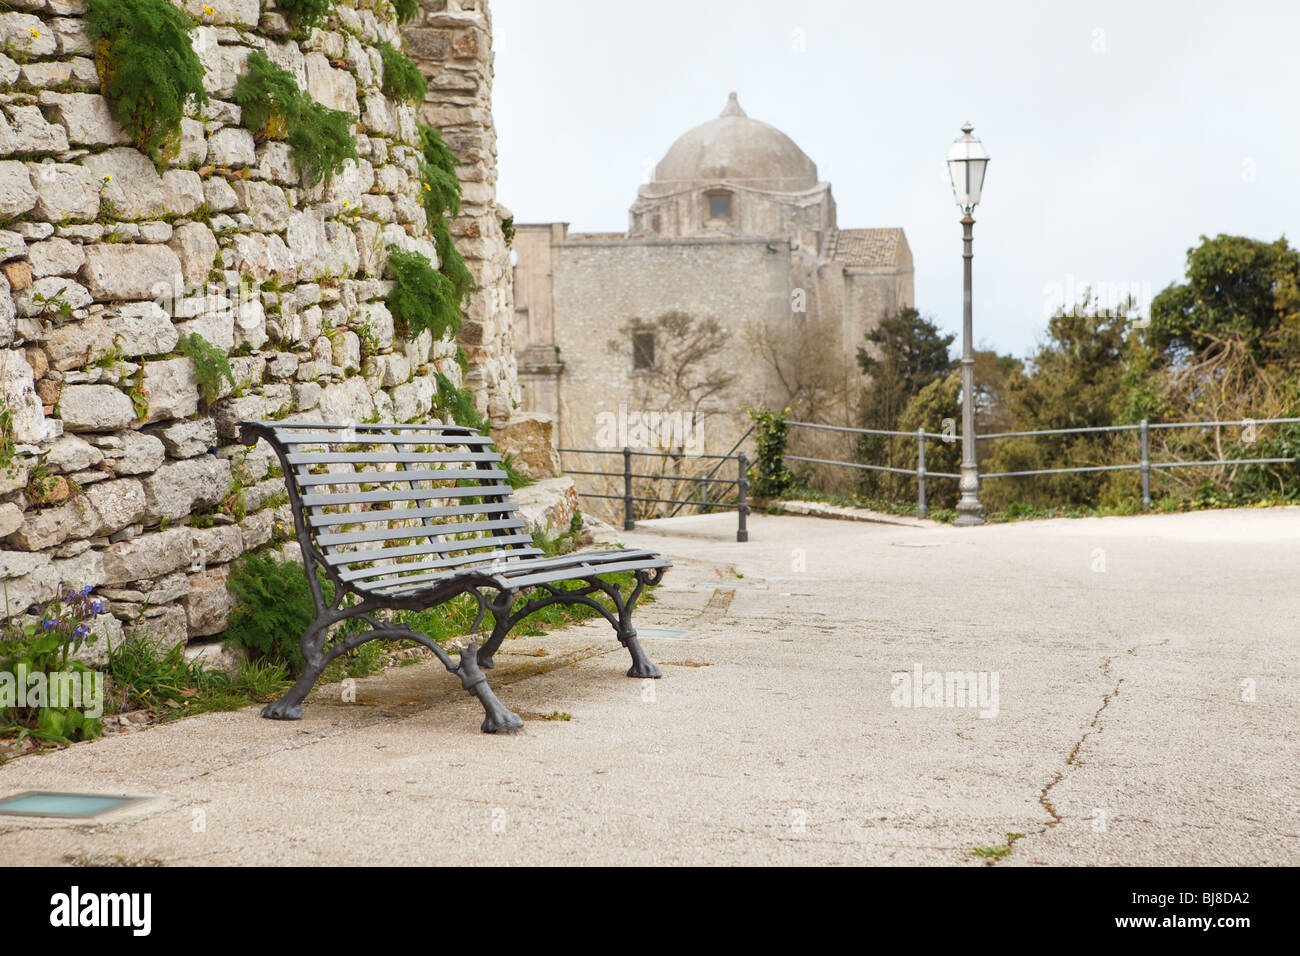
(177, 488)
(131, 272)
(172, 389)
(95, 408)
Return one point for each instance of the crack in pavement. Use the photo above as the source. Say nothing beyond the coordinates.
(1093, 727)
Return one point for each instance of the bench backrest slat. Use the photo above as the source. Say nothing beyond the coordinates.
(385, 506)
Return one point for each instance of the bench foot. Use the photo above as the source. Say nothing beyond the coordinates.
(642, 666)
(289, 707)
(497, 719)
(282, 711)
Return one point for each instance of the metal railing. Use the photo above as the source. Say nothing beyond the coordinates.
(1144, 464)
(710, 501)
(920, 472)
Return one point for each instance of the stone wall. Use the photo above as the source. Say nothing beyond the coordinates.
(124, 477)
(452, 43)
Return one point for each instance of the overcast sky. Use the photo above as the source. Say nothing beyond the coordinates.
(1119, 131)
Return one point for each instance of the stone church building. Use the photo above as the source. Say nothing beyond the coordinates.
(735, 232)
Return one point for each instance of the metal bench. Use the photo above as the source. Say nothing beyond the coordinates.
(408, 517)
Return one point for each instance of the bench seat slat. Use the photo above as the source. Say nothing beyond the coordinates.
(362, 578)
(414, 531)
(323, 499)
(534, 558)
(379, 477)
(530, 579)
(388, 457)
(401, 514)
(336, 558)
(546, 570)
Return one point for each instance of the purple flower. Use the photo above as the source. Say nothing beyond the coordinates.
(98, 606)
(50, 623)
(85, 592)
(81, 631)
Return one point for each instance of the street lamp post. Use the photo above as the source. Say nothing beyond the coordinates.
(967, 162)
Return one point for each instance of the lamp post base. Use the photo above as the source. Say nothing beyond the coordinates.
(968, 520)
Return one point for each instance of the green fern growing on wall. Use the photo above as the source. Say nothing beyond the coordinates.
(422, 297)
(459, 404)
(402, 78)
(406, 10)
(319, 139)
(148, 69)
(303, 15)
(441, 193)
(210, 364)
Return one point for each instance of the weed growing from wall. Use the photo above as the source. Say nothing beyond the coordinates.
(459, 404)
(148, 69)
(8, 460)
(210, 364)
(406, 10)
(441, 194)
(303, 15)
(402, 78)
(320, 139)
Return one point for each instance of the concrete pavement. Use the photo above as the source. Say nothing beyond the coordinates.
(1138, 676)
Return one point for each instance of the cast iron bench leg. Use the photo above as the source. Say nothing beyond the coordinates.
(289, 707)
(497, 719)
(504, 621)
(642, 666)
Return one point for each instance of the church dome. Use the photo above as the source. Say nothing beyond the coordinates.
(736, 149)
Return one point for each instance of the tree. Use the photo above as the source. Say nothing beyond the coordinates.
(811, 375)
(1238, 290)
(678, 375)
(995, 377)
(904, 354)
(1225, 346)
(676, 355)
(1075, 380)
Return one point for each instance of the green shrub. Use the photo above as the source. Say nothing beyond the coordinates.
(422, 298)
(210, 364)
(275, 608)
(148, 69)
(402, 78)
(319, 139)
(769, 475)
(303, 15)
(406, 10)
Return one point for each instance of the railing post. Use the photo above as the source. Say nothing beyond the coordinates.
(920, 473)
(629, 521)
(1145, 434)
(742, 509)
